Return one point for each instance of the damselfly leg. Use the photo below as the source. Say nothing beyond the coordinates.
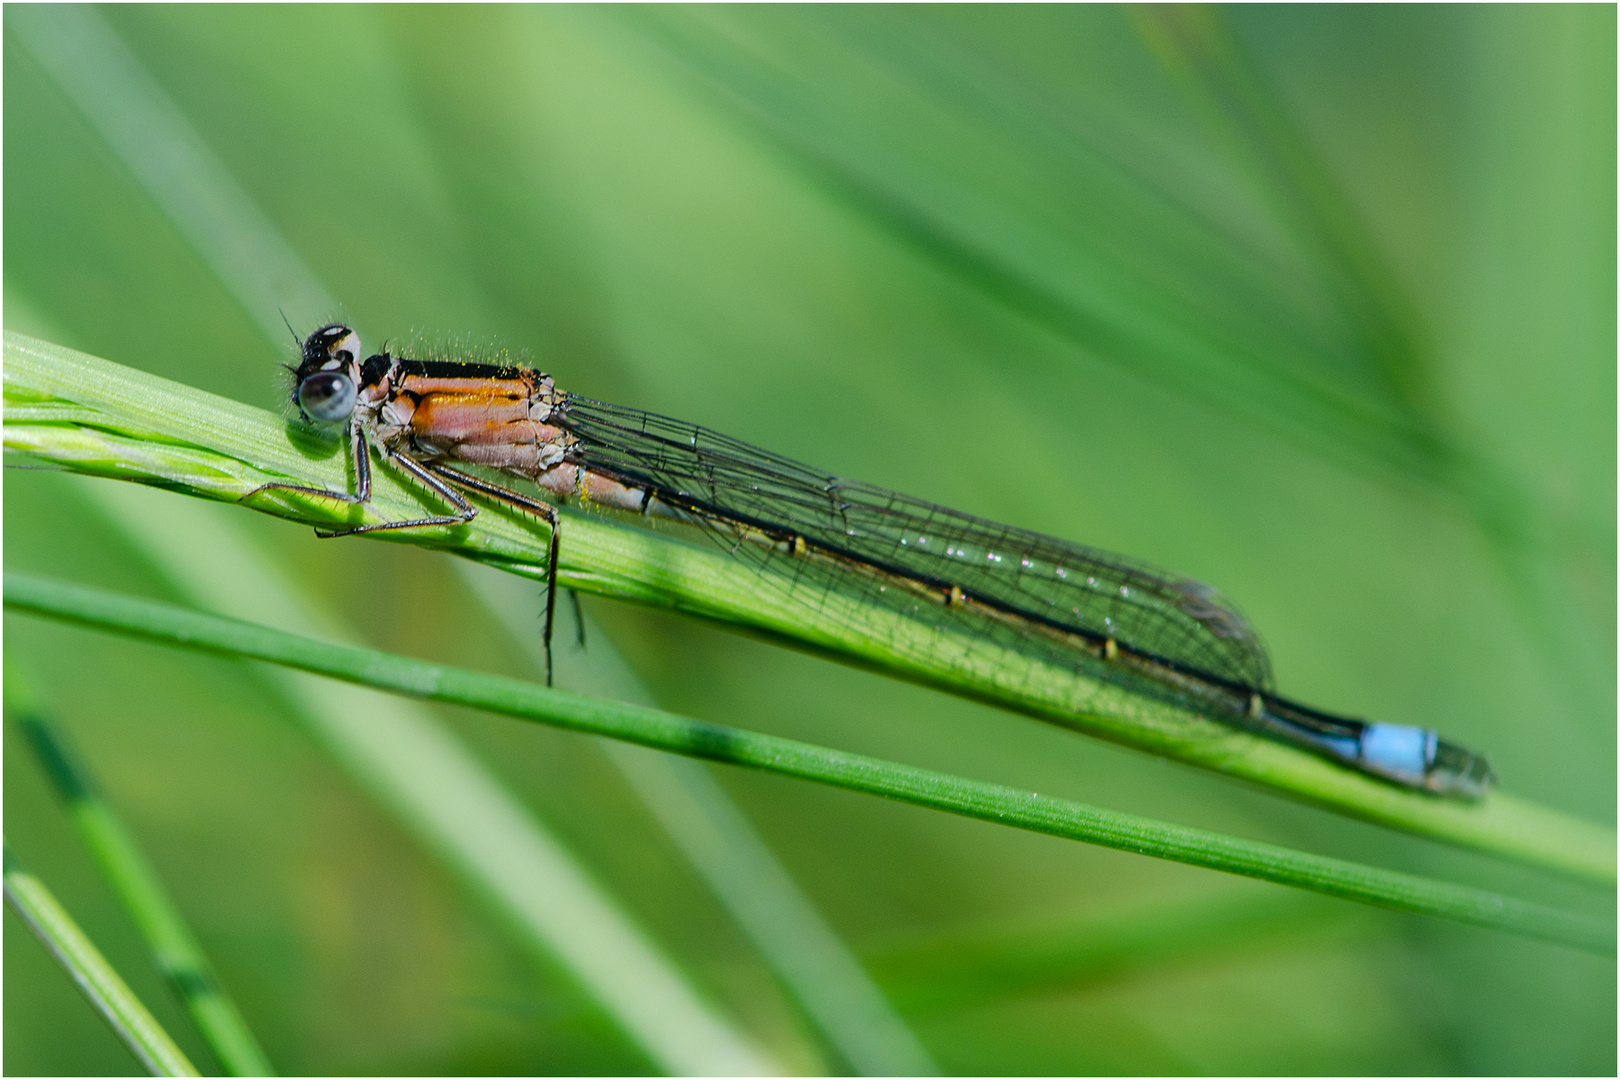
(443, 481)
(465, 511)
(531, 506)
(579, 619)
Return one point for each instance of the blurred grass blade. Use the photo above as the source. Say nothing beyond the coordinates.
(1257, 287)
(805, 953)
(171, 625)
(1196, 46)
(728, 852)
(145, 129)
(191, 185)
(419, 769)
(1392, 344)
(91, 973)
(966, 968)
(72, 411)
(1049, 207)
(175, 949)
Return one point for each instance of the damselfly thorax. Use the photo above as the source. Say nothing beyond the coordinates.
(945, 568)
(436, 412)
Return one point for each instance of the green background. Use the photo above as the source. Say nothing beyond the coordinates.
(1316, 304)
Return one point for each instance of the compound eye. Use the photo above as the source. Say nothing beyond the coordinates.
(327, 395)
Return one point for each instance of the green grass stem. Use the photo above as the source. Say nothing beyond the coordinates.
(420, 771)
(177, 626)
(722, 845)
(175, 949)
(72, 411)
(91, 973)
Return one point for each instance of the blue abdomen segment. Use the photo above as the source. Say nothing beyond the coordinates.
(1411, 756)
(1399, 752)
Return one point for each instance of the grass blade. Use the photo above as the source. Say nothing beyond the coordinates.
(72, 411)
(149, 133)
(922, 787)
(150, 136)
(733, 859)
(175, 949)
(439, 789)
(975, 966)
(91, 973)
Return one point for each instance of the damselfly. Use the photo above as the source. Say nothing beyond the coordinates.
(1065, 603)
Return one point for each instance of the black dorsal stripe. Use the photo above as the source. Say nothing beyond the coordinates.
(462, 369)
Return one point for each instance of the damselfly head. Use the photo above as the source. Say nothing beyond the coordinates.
(325, 387)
